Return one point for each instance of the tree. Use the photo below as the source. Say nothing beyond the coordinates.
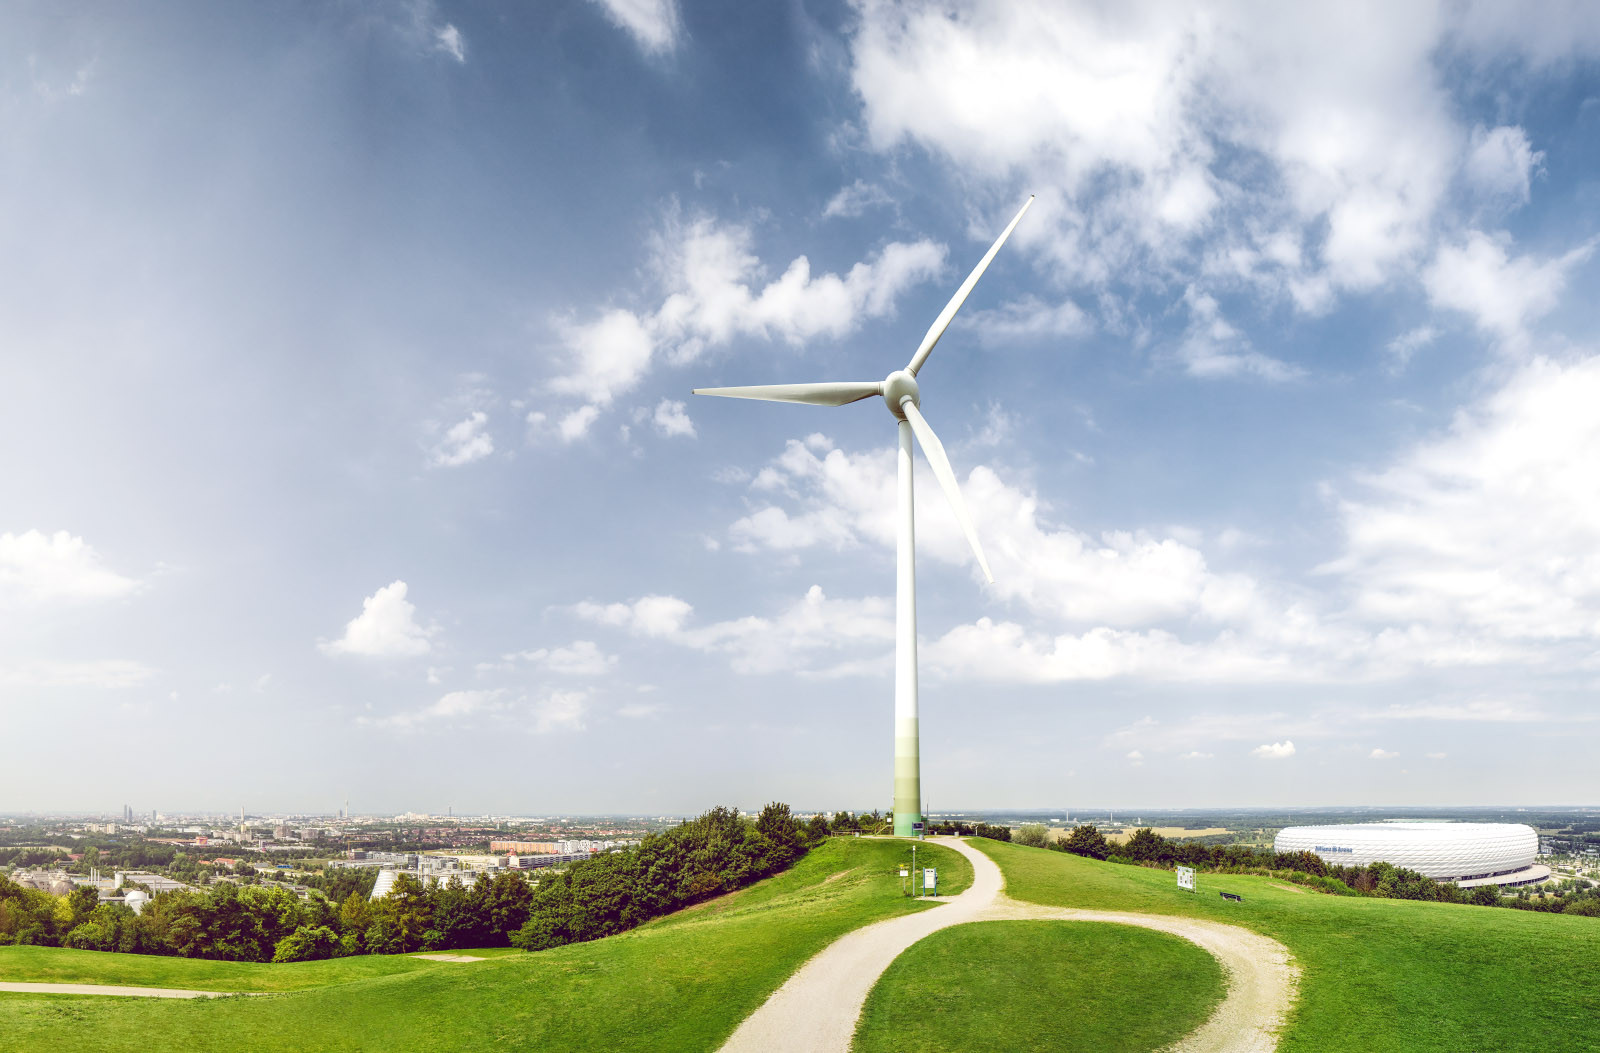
(308, 943)
(1032, 835)
(817, 829)
(1086, 840)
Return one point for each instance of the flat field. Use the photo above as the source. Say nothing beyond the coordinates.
(1378, 975)
(680, 983)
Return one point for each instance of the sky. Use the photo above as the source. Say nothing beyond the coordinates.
(347, 448)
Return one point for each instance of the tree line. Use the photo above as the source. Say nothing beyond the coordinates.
(715, 853)
(1145, 847)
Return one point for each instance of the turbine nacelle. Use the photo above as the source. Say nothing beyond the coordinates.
(897, 387)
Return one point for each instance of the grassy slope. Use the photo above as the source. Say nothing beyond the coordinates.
(1378, 975)
(680, 983)
(1041, 985)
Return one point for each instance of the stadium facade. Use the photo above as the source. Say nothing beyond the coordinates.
(1465, 854)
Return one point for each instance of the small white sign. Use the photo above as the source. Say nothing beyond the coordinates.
(930, 878)
(904, 872)
(1186, 878)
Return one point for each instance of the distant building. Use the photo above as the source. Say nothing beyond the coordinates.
(1464, 854)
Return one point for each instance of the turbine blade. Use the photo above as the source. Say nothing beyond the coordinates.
(830, 393)
(941, 323)
(934, 450)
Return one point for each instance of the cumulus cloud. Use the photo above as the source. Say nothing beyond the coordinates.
(1129, 116)
(36, 567)
(1489, 534)
(579, 658)
(1275, 750)
(1479, 278)
(653, 24)
(672, 418)
(1382, 754)
(815, 635)
(1196, 755)
(464, 442)
(1501, 161)
(716, 290)
(385, 628)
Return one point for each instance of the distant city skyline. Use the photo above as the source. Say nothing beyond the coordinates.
(348, 450)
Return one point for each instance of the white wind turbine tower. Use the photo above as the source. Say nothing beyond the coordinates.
(899, 390)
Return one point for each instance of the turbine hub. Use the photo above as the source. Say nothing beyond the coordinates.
(897, 387)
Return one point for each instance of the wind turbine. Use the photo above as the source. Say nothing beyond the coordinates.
(899, 390)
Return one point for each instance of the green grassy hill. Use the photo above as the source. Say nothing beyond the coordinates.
(1378, 974)
(680, 983)
(1062, 987)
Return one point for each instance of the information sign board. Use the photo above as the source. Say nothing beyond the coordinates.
(930, 879)
(1186, 878)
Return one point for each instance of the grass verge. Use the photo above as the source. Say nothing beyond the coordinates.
(1037, 986)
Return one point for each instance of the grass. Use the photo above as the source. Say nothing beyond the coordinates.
(1041, 986)
(1378, 975)
(680, 983)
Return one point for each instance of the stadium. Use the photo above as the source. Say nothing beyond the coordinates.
(1464, 854)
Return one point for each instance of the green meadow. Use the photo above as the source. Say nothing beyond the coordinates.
(1378, 975)
(680, 983)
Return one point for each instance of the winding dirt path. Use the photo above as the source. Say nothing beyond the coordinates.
(109, 989)
(816, 1010)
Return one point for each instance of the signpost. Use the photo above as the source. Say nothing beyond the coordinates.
(930, 881)
(1186, 878)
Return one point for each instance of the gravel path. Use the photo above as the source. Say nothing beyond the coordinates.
(816, 1010)
(107, 989)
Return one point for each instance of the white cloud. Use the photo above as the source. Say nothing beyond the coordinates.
(102, 673)
(1408, 343)
(653, 24)
(815, 635)
(1132, 120)
(1275, 750)
(559, 711)
(447, 38)
(1212, 347)
(1500, 162)
(580, 658)
(853, 200)
(386, 627)
(1028, 319)
(1382, 754)
(38, 568)
(1197, 755)
(575, 425)
(714, 291)
(1479, 278)
(1436, 756)
(842, 500)
(641, 710)
(1135, 756)
(465, 442)
(1487, 537)
(672, 418)
(551, 712)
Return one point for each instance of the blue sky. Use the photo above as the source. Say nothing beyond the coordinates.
(348, 451)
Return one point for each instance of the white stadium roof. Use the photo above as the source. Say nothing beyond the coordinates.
(1467, 854)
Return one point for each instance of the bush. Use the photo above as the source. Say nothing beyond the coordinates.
(1085, 840)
